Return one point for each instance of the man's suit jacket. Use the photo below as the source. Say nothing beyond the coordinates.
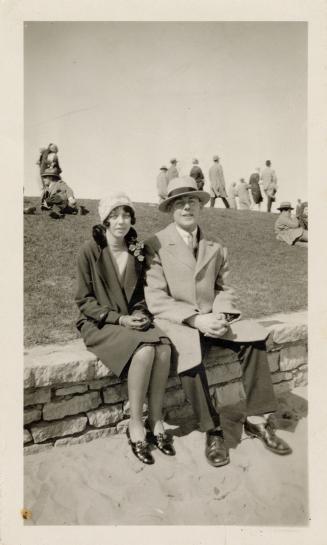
(179, 286)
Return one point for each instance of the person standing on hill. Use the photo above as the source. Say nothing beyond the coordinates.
(162, 182)
(269, 182)
(243, 195)
(186, 291)
(197, 174)
(232, 194)
(172, 171)
(48, 159)
(255, 187)
(217, 183)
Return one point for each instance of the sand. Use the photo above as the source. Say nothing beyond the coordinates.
(103, 483)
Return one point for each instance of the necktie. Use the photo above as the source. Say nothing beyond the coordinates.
(190, 241)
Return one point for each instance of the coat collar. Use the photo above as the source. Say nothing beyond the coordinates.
(206, 249)
(108, 274)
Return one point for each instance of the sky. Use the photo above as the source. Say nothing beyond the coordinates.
(120, 99)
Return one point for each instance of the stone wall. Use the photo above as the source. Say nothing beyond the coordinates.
(71, 397)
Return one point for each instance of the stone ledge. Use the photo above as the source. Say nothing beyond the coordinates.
(80, 399)
(71, 363)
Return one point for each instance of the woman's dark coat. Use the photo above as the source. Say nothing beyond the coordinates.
(102, 300)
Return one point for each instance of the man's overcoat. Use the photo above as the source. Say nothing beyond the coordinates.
(217, 181)
(179, 286)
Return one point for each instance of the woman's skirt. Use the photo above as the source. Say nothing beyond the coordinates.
(115, 345)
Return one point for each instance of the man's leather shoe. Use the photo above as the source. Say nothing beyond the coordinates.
(141, 449)
(267, 434)
(216, 450)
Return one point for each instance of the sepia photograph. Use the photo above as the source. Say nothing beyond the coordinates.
(163, 308)
(165, 273)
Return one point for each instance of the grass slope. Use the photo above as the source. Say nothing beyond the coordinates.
(268, 276)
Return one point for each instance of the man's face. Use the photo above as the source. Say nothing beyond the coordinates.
(48, 180)
(186, 212)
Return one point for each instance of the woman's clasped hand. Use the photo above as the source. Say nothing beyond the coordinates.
(138, 321)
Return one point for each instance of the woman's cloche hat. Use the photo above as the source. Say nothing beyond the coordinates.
(180, 187)
(107, 204)
(285, 205)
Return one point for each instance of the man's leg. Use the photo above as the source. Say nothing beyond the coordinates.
(225, 201)
(269, 203)
(196, 388)
(260, 396)
(57, 204)
(212, 202)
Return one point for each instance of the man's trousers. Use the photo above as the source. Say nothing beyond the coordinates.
(258, 388)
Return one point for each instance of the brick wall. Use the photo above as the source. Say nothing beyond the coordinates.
(71, 397)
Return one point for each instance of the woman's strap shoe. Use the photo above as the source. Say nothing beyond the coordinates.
(141, 449)
(162, 441)
(267, 434)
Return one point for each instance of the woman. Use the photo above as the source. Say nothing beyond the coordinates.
(115, 324)
(255, 187)
(243, 195)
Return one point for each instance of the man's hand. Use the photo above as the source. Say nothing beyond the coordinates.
(212, 325)
(136, 321)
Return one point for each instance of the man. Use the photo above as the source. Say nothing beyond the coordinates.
(172, 171)
(287, 227)
(162, 182)
(185, 282)
(217, 183)
(58, 197)
(197, 174)
(269, 184)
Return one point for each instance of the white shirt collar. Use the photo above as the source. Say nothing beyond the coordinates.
(184, 234)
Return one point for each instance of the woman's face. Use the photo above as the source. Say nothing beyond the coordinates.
(120, 222)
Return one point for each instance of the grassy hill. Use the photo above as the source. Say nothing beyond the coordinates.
(268, 276)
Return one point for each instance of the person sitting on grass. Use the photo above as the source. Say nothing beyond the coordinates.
(302, 216)
(116, 325)
(58, 197)
(287, 227)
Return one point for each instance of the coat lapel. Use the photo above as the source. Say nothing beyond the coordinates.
(206, 250)
(131, 277)
(178, 248)
(107, 273)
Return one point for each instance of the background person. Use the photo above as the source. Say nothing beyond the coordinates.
(172, 171)
(58, 197)
(232, 195)
(269, 184)
(162, 182)
(115, 324)
(287, 227)
(197, 173)
(255, 188)
(217, 183)
(303, 216)
(244, 200)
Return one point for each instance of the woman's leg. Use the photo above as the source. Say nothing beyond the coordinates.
(139, 374)
(158, 382)
(304, 236)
